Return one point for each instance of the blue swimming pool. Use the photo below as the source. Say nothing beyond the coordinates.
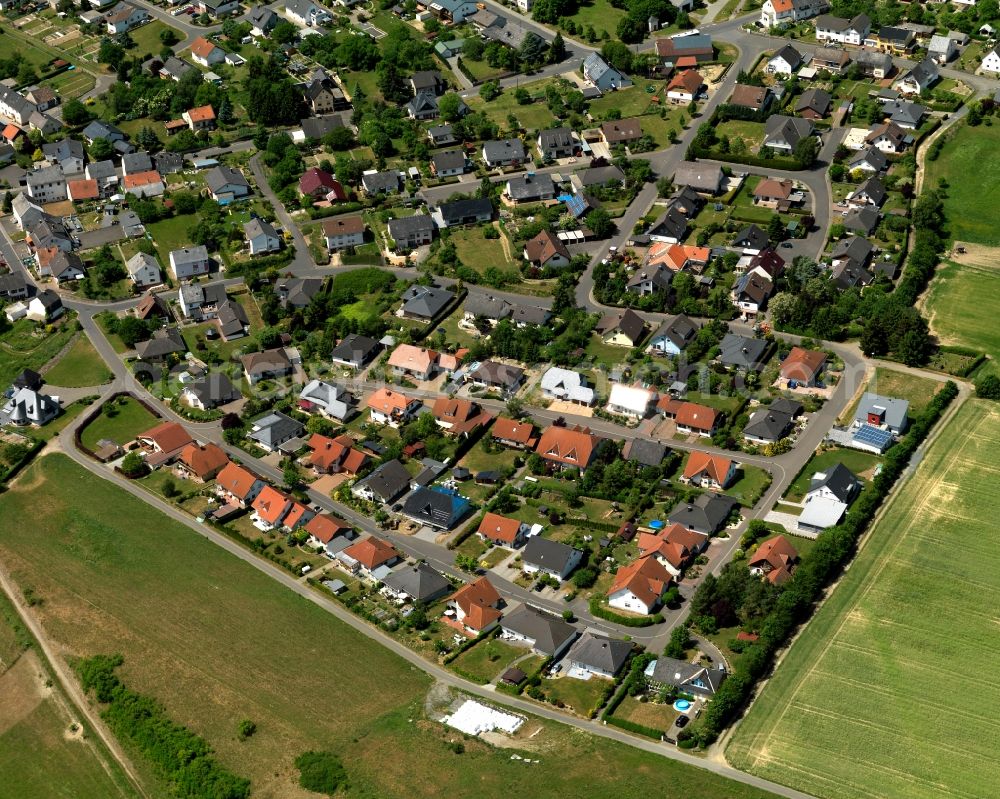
(682, 705)
(656, 524)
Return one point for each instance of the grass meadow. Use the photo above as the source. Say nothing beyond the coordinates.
(866, 701)
(80, 366)
(961, 306)
(217, 641)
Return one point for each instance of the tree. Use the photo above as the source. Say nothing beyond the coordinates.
(600, 223)
(360, 53)
(147, 139)
(806, 151)
(489, 90)
(449, 106)
(472, 48)
(169, 488)
(100, 150)
(988, 387)
(247, 729)
(320, 772)
(8, 202)
(618, 55)
(168, 36)
(533, 49)
(225, 114)
(776, 230)
(339, 139)
(26, 73)
(680, 640)
(133, 465)
(132, 330)
(557, 49)
(111, 54)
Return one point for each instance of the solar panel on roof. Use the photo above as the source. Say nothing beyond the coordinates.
(576, 205)
(873, 436)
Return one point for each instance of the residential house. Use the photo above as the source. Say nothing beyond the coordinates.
(67, 154)
(621, 131)
(803, 367)
(424, 302)
(392, 407)
(845, 31)
(26, 406)
(690, 417)
(174, 69)
(624, 329)
(814, 104)
(774, 559)
(545, 634)
(46, 185)
(476, 606)
(227, 185)
(418, 583)
(423, 106)
(874, 65)
(329, 400)
(200, 118)
(502, 530)
(43, 97)
(355, 351)
(631, 401)
(202, 462)
(232, 320)
(317, 185)
(297, 292)
(441, 135)
(335, 455)
(780, 12)
(459, 417)
(595, 655)
(830, 59)
(270, 509)
(684, 86)
(274, 429)
(905, 114)
(14, 286)
(503, 152)
(322, 95)
(371, 557)
(918, 79)
(991, 61)
(556, 143)
(941, 49)
(55, 263)
(608, 176)
(830, 493)
(692, 678)
(674, 546)
(82, 190)
(767, 426)
(639, 586)
(784, 133)
(515, 434)
(435, 508)
(408, 360)
(189, 262)
(210, 392)
(206, 53)
(262, 20)
(449, 163)
(497, 376)
(328, 532)
(45, 306)
(754, 98)
(144, 184)
(143, 269)
(385, 484)
(468, 211)
(410, 232)
(341, 232)
(217, 8)
(123, 18)
(546, 250)
(201, 301)
(375, 183)
(238, 486)
(565, 385)
(785, 62)
(644, 451)
(751, 239)
(568, 447)
(685, 51)
(671, 337)
(709, 471)
(707, 514)
(134, 163)
(891, 41)
(750, 293)
(602, 75)
(430, 81)
(888, 413)
(261, 236)
(307, 13)
(266, 365)
(862, 221)
(773, 193)
(164, 442)
(870, 160)
(670, 228)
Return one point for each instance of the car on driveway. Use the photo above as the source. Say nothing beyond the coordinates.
(682, 721)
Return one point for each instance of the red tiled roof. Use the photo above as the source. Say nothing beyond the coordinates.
(271, 505)
(646, 578)
(495, 527)
(325, 527)
(205, 461)
(802, 364)
(478, 601)
(371, 552)
(236, 480)
(167, 437)
(715, 466)
(522, 433)
(573, 446)
(697, 417)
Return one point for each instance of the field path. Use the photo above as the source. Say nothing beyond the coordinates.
(68, 682)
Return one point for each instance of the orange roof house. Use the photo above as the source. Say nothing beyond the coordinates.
(238, 484)
(333, 455)
(513, 433)
(11, 132)
(677, 256)
(417, 361)
(568, 446)
(705, 469)
(501, 529)
(80, 190)
(372, 552)
(203, 462)
(687, 82)
(271, 506)
(391, 407)
(146, 182)
(168, 437)
(201, 117)
(639, 586)
(298, 514)
(459, 417)
(477, 605)
(324, 528)
(803, 366)
(698, 418)
(673, 546)
(775, 559)
(202, 49)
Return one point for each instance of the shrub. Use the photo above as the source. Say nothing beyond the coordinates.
(247, 729)
(320, 772)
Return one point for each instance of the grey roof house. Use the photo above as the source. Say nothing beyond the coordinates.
(544, 633)
(707, 514)
(598, 655)
(418, 583)
(388, 482)
(550, 557)
(355, 350)
(425, 302)
(275, 429)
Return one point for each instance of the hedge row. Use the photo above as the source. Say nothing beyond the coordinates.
(834, 549)
(785, 164)
(468, 645)
(597, 609)
(13, 470)
(631, 726)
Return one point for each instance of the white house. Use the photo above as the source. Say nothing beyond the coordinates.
(307, 13)
(785, 62)
(47, 185)
(631, 401)
(639, 586)
(28, 407)
(189, 262)
(261, 236)
(124, 17)
(549, 557)
(845, 31)
(991, 61)
(567, 386)
(921, 77)
(778, 12)
(143, 269)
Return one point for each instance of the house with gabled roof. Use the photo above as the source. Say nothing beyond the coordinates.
(674, 546)
(385, 484)
(371, 557)
(202, 462)
(392, 408)
(335, 455)
(706, 470)
(604, 76)
(830, 494)
(419, 583)
(459, 417)
(690, 417)
(206, 53)
(568, 447)
(785, 62)
(691, 678)
(477, 606)
(165, 440)
(774, 559)
(329, 532)
(803, 366)
(546, 249)
(273, 430)
(514, 433)
(237, 485)
(638, 587)
(707, 514)
(502, 530)
(327, 399)
(546, 634)
(624, 329)
(595, 655)
(766, 426)
(436, 508)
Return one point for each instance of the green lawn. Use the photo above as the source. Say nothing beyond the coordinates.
(478, 252)
(487, 659)
(967, 162)
(631, 102)
(533, 116)
(961, 306)
(854, 459)
(918, 390)
(147, 38)
(27, 346)
(852, 708)
(172, 234)
(129, 420)
(749, 485)
(136, 582)
(56, 426)
(599, 14)
(80, 366)
(580, 695)
(752, 133)
(609, 354)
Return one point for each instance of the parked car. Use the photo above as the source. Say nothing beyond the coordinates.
(682, 721)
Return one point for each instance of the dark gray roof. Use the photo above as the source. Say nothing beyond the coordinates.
(232, 318)
(556, 137)
(790, 129)
(276, 428)
(673, 224)
(387, 181)
(493, 373)
(425, 302)
(707, 514)
(318, 127)
(687, 676)
(550, 633)
(817, 100)
(99, 170)
(768, 424)
(98, 129)
(838, 480)
(546, 554)
(406, 226)
(423, 103)
(872, 188)
(137, 162)
(854, 247)
(62, 149)
(420, 582)
(598, 176)
(904, 113)
(435, 508)
(751, 237)
(487, 305)
(457, 210)
(215, 389)
(355, 350)
(221, 176)
(427, 79)
(680, 330)
(298, 291)
(168, 163)
(645, 451)
(163, 342)
(448, 160)
(873, 156)
(388, 481)
(789, 54)
(530, 187)
(504, 150)
(784, 405)
(530, 315)
(599, 652)
(13, 283)
(628, 322)
(862, 220)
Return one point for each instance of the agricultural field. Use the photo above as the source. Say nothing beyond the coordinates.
(80, 366)
(308, 680)
(857, 706)
(968, 156)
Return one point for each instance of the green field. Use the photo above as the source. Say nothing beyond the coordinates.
(918, 390)
(961, 306)
(487, 659)
(865, 702)
(967, 161)
(217, 641)
(600, 14)
(147, 38)
(80, 366)
(130, 419)
(21, 349)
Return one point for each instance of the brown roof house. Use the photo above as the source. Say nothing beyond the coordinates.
(803, 366)
(568, 447)
(621, 131)
(545, 249)
(774, 559)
